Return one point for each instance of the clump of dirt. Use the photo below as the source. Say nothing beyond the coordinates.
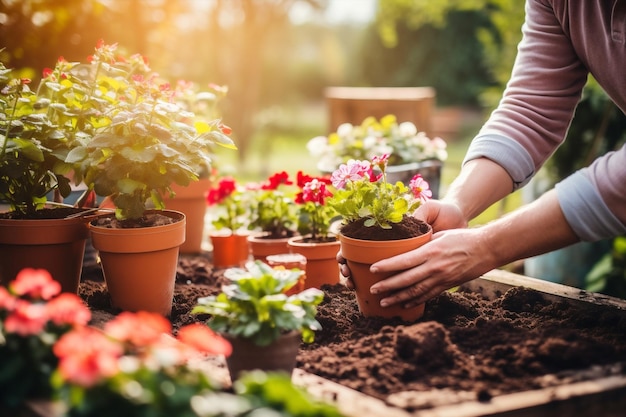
(465, 346)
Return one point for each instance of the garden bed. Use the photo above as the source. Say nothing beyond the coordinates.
(503, 344)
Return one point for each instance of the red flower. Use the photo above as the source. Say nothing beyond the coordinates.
(225, 187)
(276, 180)
(86, 355)
(203, 339)
(68, 308)
(139, 329)
(36, 284)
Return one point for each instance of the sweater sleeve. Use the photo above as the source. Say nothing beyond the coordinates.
(538, 103)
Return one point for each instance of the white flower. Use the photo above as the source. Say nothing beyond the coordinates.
(345, 129)
(407, 129)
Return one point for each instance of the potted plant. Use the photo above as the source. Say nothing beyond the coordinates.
(34, 314)
(146, 144)
(316, 241)
(273, 216)
(264, 325)
(230, 204)
(377, 224)
(191, 199)
(37, 130)
(410, 150)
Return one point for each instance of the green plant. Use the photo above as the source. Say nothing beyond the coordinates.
(403, 142)
(315, 216)
(232, 203)
(362, 194)
(274, 210)
(149, 142)
(34, 141)
(34, 314)
(254, 305)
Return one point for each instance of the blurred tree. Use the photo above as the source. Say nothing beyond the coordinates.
(454, 34)
(448, 58)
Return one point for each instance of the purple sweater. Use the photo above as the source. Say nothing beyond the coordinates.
(563, 41)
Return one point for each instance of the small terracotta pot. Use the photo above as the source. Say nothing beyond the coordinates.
(139, 264)
(191, 201)
(229, 250)
(279, 356)
(290, 261)
(261, 246)
(360, 255)
(56, 245)
(321, 261)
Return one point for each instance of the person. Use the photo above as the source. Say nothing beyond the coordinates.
(562, 42)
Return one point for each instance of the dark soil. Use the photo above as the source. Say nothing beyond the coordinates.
(409, 227)
(464, 348)
(148, 220)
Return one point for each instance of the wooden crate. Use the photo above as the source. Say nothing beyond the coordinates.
(354, 104)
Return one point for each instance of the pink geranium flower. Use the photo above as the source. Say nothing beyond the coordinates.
(86, 356)
(202, 339)
(68, 309)
(138, 329)
(36, 284)
(26, 318)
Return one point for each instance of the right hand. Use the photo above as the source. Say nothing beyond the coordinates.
(439, 214)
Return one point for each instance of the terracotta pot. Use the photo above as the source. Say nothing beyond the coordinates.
(57, 245)
(139, 264)
(290, 261)
(360, 254)
(229, 249)
(321, 261)
(279, 356)
(191, 201)
(261, 246)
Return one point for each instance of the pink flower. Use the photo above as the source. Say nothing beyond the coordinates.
(203, 339)
(139, 329)
(86, 356)
(420, 188)
(35, 283)
(26, 319)
(69, 309)
(351, 171)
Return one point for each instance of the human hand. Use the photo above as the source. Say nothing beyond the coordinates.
(451, 258)
(440, 215)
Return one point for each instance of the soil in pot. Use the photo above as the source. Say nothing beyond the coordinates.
(464, 347)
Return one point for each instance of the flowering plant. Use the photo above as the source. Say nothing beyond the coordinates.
(403, 142)
(232, 204)
(133, 367)
(315, 215)
(274, 210)
(363, 195)
(145, 141)
(34, 314)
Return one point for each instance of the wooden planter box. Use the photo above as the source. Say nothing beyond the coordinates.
(598, 395)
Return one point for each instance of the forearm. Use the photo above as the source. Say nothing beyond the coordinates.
(536, 228)
(481, 183)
